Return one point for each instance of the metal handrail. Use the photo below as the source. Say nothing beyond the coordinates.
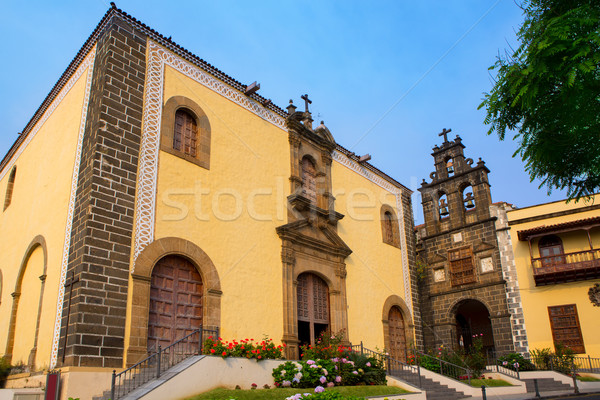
(566, 364)
(393, 366)
(587, 364)
(504, 369)
(448, 369)
(152, 366)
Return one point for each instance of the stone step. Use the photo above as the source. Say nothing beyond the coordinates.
(434, 390)
(546, 385)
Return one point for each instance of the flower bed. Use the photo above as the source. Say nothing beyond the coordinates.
(246, 348)
(328, 364)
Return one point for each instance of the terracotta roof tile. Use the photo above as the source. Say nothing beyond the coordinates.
(526, 234)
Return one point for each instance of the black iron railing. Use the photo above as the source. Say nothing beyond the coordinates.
(397, 368)
(443, 367)
(566, 364)
(156, 363)
(587, 364)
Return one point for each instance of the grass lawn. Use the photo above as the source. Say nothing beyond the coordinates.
(282, 393)
(488, 382)
(588, 379)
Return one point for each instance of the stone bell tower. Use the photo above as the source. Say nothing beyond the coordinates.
(464, 293)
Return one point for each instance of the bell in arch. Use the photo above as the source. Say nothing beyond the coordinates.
(469, 203)
(443, 208)
(450, 166)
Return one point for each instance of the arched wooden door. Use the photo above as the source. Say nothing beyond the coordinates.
(313, 307)
(397, 334)
(175, 301)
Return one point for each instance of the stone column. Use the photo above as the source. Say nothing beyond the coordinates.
(290, 311)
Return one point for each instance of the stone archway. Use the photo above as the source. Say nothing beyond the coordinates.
(397, 327)
(140, 289)
(37, 243)
(175, 302)
(472, 319)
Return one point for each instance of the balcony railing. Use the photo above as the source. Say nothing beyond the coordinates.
(567, 267)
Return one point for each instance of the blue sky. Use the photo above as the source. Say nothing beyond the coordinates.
(386, 76)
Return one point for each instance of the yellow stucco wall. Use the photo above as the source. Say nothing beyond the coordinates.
(536, 300)
(39, 207)
(232, 210)
(374, 268)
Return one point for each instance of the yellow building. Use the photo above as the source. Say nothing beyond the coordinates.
(152, 194)
(557, 256)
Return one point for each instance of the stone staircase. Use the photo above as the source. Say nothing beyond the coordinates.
(546, 385)
(434, 390)
(151, 384)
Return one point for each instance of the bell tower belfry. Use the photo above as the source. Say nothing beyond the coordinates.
(463, 296)
(459, 191)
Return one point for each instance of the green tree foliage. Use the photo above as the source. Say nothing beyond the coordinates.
(548, 91)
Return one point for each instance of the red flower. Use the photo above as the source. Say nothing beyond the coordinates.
(224, 353)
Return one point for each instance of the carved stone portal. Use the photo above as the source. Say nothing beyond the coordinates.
(310, 243)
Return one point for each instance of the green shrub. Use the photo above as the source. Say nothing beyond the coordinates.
(356, 369)
(327, 346)
(561, 360)
(4, 370)
(509, 360)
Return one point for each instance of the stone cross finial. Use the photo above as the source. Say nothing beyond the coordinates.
(445, 132)
(306, 101)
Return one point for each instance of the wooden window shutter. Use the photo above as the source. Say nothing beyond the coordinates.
(185, 137)
(564, 323)
(462, 270)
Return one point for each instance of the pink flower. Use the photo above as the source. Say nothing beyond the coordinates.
(355, 372)
(330, 384)
(368, 364)
(310, 362)
(319, 389)
(338, 379)
(322, 379)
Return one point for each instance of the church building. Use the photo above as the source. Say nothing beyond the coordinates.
(151, 194)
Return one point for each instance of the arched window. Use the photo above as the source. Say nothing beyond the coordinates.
(468, 199)
(389, 226)
(551, 250)
(185, 137)
(9, 187)
(185, 131)
(443, 206)
(309, 181)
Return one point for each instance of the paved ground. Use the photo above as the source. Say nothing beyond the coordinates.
(594, 395)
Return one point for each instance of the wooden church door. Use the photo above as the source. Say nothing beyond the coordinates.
(175, 302)
(313, 308)
(397, 335)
